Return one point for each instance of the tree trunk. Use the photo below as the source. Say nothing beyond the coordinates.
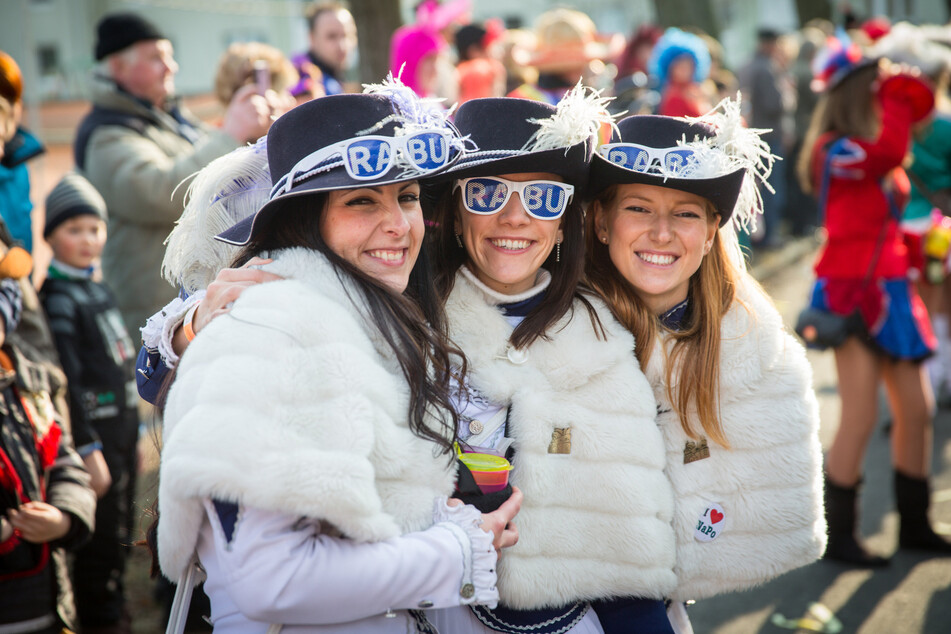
(687, 13)
(812, 9)
(376, 20)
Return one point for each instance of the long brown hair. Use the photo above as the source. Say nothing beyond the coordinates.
(695, 354)
(565, 274)
(848, 110)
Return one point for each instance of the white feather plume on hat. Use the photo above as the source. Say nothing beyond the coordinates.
(578, 117)
(733, 146)
(226, 191)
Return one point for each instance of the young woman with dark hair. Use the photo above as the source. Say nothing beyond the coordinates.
(552, 381)
(308, 435)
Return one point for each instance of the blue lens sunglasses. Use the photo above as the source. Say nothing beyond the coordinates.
(487, 195)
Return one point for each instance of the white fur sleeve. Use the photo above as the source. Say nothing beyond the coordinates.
(278, 568)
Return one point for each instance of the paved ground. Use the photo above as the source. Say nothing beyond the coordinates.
(913, 595)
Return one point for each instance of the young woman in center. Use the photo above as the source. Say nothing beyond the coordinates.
(552, 382)
(734, 389)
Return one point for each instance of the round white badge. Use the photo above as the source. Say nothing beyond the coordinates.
(711, 523)
(518, 356)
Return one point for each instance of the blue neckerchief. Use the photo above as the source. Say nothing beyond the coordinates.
(185, 128)
(676, 317)
(522, 308)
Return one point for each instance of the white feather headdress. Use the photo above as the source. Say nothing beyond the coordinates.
(578, 117)
(226, 191)
(733, 146)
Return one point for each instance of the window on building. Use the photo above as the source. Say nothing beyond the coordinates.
(47, 56)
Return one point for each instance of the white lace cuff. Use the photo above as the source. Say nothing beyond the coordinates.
(479, 558)
(160, 328)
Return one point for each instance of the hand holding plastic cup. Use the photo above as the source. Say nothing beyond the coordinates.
(491, 473)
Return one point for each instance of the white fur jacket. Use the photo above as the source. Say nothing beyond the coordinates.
(293, 403)
(752, 512)
(595, 521)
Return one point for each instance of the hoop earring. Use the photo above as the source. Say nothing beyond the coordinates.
(557, 252)
(459, 241)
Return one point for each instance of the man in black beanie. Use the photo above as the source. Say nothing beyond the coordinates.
(138, 143)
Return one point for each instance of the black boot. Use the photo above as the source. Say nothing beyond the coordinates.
(844, 545)
(913, 497)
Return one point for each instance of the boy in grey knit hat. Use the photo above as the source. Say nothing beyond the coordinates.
(98, 357)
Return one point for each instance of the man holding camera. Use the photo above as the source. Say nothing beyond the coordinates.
(138, 144)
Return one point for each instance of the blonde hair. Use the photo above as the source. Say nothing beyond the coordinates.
(695, 354)
(236, 69)
(848, 110)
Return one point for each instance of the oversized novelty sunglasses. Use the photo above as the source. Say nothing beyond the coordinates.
(369, 157)
(640, 158)
(486, 195)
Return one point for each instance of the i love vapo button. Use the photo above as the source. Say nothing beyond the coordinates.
(710, 524)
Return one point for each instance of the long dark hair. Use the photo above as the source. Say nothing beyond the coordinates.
(442, 203)
(412, 324)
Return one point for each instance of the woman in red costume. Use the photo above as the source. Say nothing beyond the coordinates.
(852, 158)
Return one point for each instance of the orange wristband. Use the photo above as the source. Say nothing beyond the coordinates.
(187, 327)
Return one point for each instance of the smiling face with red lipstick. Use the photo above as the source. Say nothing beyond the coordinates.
(656, 238)
(378, 229)
(506, 249)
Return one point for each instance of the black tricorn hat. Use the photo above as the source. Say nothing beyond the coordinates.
(665, 132)
(504, 131)
(317, 125)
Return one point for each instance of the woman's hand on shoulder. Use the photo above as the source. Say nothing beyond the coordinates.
(220, 297)
(227, 287)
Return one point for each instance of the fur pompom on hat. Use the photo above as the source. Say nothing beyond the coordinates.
(73, 196)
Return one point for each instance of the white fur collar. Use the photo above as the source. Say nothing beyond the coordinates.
(542, 281)
(752, 313)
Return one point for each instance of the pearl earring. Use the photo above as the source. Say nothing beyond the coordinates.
(459, 241)
(557, 252)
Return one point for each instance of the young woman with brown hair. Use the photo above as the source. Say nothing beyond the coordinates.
(552, 379)
(735, 402)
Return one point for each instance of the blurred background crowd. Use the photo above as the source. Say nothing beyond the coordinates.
(672, 57)
(219, 72)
